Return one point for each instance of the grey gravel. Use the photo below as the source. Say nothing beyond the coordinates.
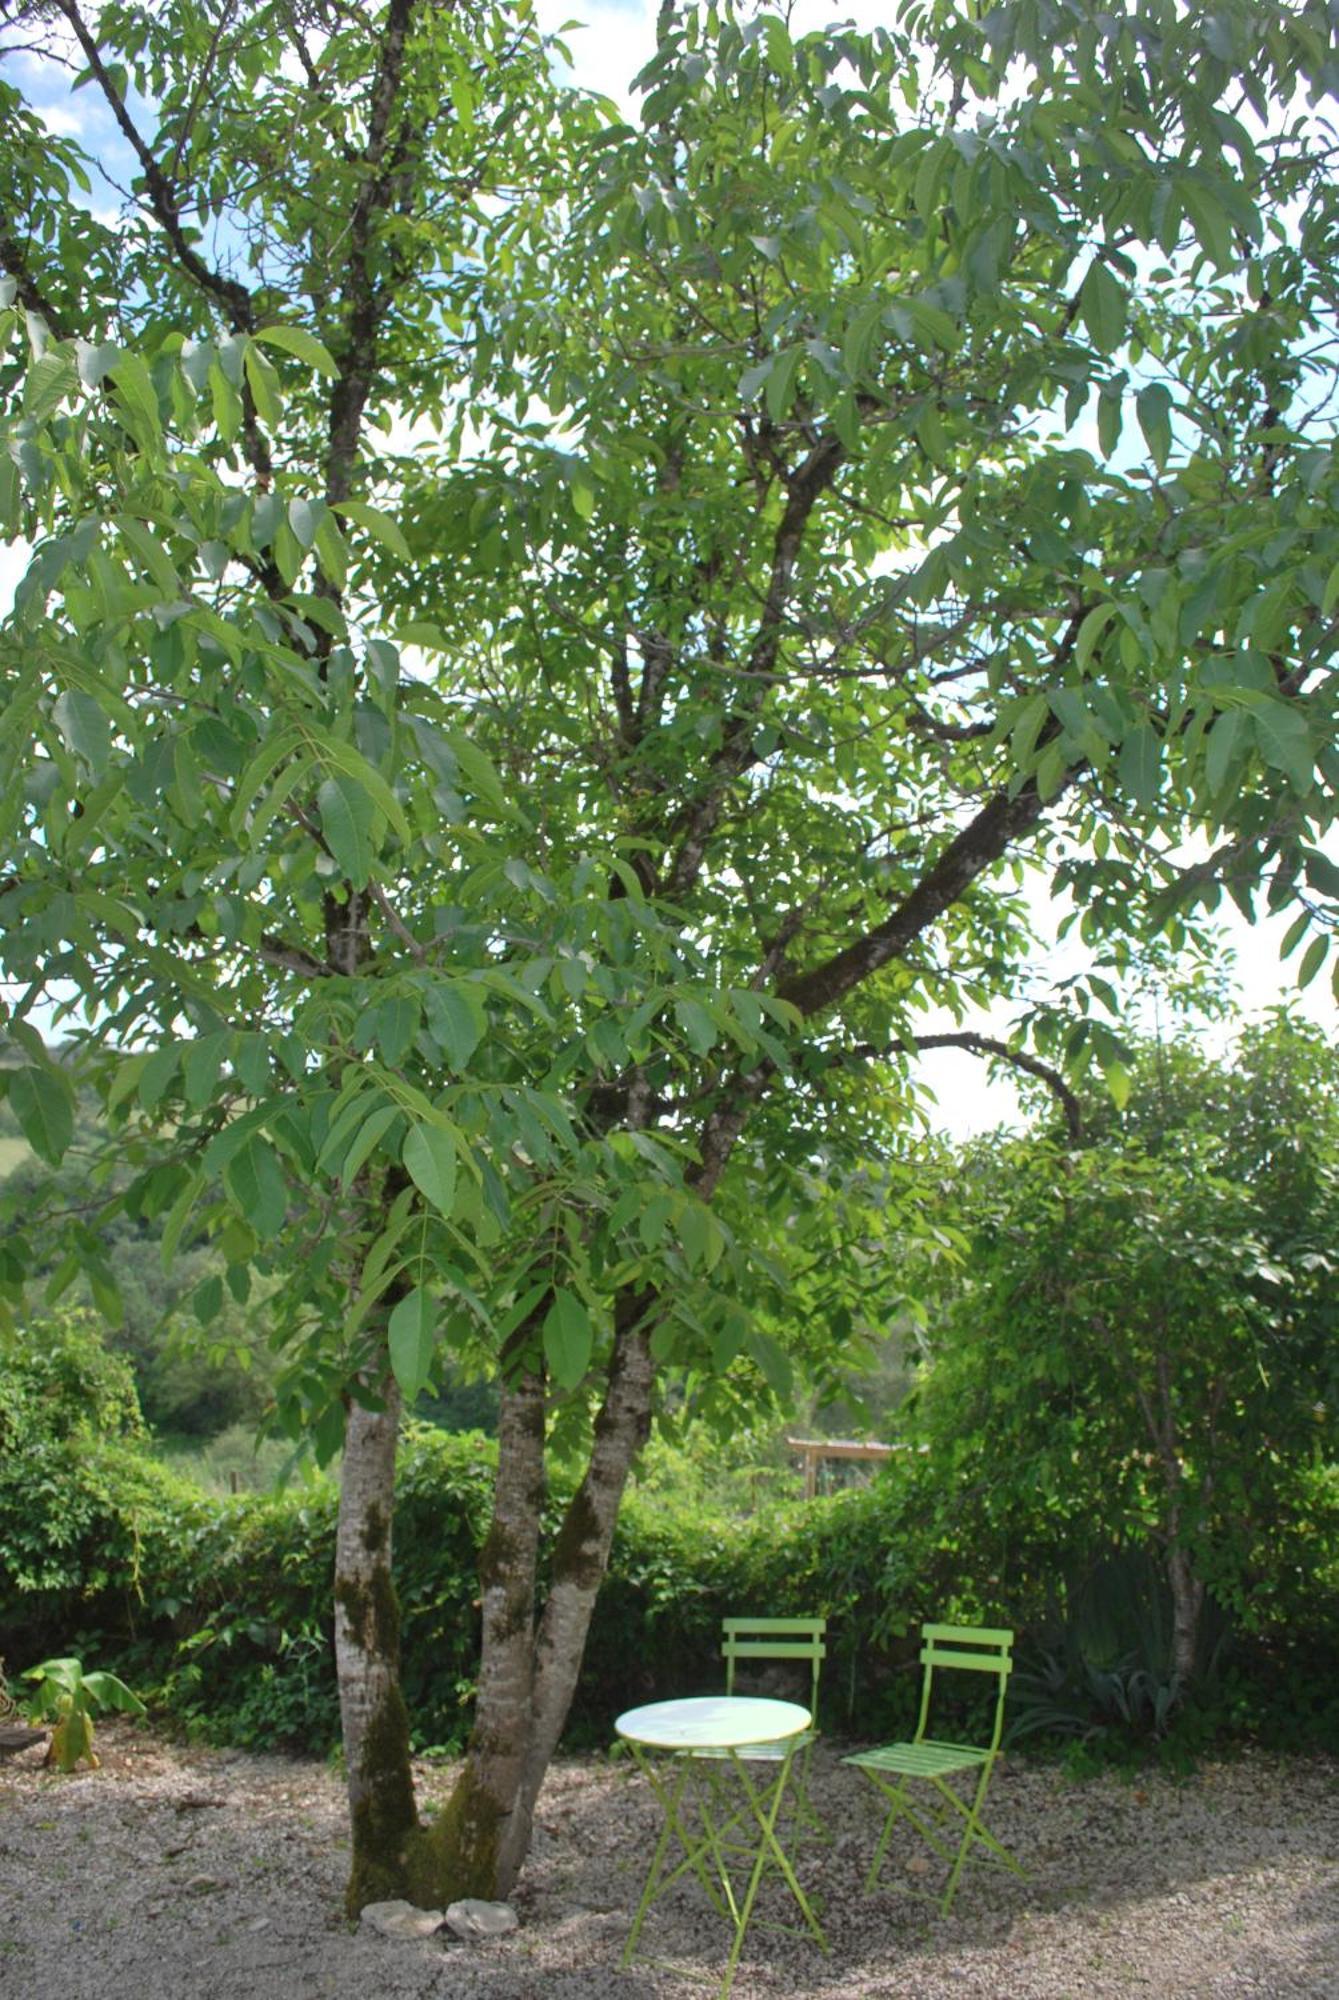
(185, 1874)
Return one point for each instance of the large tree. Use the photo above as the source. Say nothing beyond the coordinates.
(549, 643)
(1137, 1349)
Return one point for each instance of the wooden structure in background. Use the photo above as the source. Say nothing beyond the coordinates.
(817, 1451)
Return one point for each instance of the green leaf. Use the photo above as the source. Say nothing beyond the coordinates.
(207, 1299)
(251, 1063)
(109, 1691)
(1139, 764)
(201, 1062)
(430, 1161)
(304, 346)
(1312, 960)
(135, 393)
(304, 518)
(1153, 408)
(332, 553)
(85, 727)
(456, 1020)
(696, 1026)
(1212, 223)
(1221, 748)
(345, 758)
(583, 493)
(568, 1339)
(264, 385)
(395, 1022)
(178, 1216)
(1117, 1079)
(255, 1180)
(366, 1139)
(780, 382)
(227, 404)
(1091, 630)
(44, 1106)
(861, 334)
(383, 527)
(49, 381)
(1322, 874)
(1102, 304)
(1110, 418)
(1285, 741)
(349, 824)
(411, 1337)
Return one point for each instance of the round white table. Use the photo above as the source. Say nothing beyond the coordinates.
(713, 1722)
(701, 1734)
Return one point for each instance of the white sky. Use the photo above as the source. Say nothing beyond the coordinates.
(616, 40)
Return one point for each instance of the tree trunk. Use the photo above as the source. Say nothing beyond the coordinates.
(580, 1560)
(1187, 1603)
(367, 1657)
(1186, 1588)
(527, 1675)
(467, 1842)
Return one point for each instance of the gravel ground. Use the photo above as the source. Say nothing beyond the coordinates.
(175, 1874)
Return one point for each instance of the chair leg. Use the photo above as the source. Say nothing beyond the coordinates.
(974, 1830)
(897, 1807)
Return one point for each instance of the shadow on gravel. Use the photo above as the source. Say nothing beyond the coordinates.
(191, 1875)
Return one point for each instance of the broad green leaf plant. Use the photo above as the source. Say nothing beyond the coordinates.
(547, 643)
(65, 1695)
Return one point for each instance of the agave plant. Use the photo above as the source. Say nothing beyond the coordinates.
(67, 1695)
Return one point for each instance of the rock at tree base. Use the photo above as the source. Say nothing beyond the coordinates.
(401, 1920)
(472, 1919)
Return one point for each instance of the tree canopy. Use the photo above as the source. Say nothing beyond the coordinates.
(1137, 1349)
(550, 642)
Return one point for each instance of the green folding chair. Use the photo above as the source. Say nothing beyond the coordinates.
(979, 1649)
(745, 1641)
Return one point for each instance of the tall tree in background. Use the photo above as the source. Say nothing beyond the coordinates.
(488, 867)
(1137, 1351)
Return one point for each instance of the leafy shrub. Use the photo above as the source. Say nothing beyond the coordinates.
(84, 1512)
(220, 1608)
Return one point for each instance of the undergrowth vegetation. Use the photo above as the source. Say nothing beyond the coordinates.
(218, 1608)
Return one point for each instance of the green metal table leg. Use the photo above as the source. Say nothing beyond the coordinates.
(761, 1803)
(765, 1806)
(659, 1878)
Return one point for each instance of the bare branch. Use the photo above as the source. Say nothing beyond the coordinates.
(983, 1045)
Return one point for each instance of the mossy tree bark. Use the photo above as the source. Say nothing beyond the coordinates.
(579, 1563)
(367, 1653)
(468, 1840)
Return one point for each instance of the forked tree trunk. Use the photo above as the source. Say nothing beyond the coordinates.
(528, 1670)
(528, 1673)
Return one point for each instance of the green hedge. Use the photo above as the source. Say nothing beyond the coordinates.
(219, 1610)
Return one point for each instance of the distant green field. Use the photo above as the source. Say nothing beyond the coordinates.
(13, 1152)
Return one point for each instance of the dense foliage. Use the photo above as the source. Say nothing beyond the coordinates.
(551, 641)
(224, 1616)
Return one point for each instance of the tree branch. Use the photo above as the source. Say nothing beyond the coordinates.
(233, 297)
(693, 824)
(30, 295)
(984, 1045)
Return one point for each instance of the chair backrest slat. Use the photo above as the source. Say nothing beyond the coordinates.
(985, 1663)
(815, 1627)
(987, 1635)
(773, 1639)
(985, 1649)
